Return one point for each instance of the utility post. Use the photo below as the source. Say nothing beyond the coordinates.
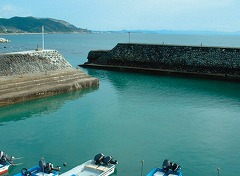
(129, 36)
(43, 37)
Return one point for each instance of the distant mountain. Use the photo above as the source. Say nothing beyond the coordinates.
(34, 25)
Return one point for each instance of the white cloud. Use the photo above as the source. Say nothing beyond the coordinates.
(7, 10)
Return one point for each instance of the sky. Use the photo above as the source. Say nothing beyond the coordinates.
(110, 15)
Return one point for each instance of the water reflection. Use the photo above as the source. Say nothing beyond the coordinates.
(47, 105)
(150, 84)
(190, 120)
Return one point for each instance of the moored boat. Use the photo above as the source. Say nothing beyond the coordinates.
(100, 166)
(4, 168)
(5, 162)
(3, 40)
(43, 169)
(168, 169)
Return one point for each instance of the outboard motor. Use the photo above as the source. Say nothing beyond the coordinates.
(109, 160)
(10, 159)
(4, 158)
(47, 167)
(175, 167)
(25, 172)
(166, 165)
(58, 168)
(114, 162)
(98, 158)
(42, 164)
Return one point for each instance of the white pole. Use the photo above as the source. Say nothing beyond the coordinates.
(43, 37)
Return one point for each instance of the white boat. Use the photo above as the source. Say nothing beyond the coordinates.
(89, 168)
(100, 166)
(3, 40)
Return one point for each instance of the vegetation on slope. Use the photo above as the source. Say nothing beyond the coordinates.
(34, 25)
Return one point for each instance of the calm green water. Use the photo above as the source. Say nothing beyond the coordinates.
(133, 117)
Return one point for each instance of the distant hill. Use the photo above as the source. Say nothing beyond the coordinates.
(34, 25)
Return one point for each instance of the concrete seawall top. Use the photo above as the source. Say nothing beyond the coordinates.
(26, 62)
(203, 61)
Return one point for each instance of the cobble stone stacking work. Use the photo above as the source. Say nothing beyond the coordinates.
(96, 54)
(189, 60)
(36, 74)
(31, 62)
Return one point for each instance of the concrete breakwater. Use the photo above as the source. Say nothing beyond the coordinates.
(36, 74)
(19, 63)
(197, 61)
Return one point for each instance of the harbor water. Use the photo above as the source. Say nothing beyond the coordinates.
(133, 117)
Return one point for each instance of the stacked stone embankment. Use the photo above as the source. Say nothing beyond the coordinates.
(96, 54)
(36, 74)
(31, 62)
(200, 61)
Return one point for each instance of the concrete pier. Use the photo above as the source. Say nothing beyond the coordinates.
(37, 74)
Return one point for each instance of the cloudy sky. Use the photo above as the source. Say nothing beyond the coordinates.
(197, 15)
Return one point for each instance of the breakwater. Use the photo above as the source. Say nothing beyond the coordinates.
(27, 62)
(197, 61)
(36, 74)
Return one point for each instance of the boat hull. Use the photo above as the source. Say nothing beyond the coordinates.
(161, 172)
(90, 168)
(37, 171)
(4, 168)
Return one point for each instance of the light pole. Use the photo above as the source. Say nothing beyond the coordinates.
(129, 36)
(43, 37)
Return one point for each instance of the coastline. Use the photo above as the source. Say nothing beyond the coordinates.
(29, 33)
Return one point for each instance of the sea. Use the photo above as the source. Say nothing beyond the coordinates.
(138, 119)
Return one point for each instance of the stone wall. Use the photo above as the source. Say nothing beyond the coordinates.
(96, 54)
(31, 62)
(184, 59)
